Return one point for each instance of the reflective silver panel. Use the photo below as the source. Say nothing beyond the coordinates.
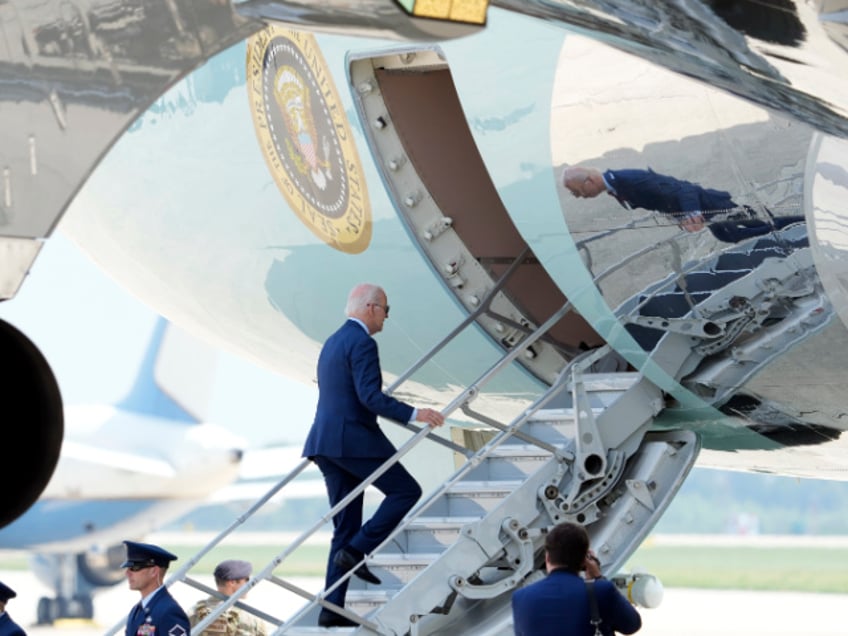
(784, 54)
(758, 302)
(74, 75)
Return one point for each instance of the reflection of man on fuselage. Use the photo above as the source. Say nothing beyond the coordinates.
(690, 203)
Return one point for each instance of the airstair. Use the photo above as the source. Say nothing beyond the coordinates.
(734, 313)
(451, 565)
(583, 451)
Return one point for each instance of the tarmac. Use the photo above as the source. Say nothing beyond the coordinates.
(682, 611)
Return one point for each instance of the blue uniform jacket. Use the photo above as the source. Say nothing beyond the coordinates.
(660, 193)
(8, 627)
(558, 605)
(163, 614)
(350, 397)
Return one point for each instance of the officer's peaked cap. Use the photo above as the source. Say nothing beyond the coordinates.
(146, 554)
(6, 592)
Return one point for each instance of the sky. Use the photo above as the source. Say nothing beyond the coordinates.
(93, 333)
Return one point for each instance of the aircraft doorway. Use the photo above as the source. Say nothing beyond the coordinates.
(421, 141)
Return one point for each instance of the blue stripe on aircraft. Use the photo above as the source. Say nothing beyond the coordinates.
(49, 521)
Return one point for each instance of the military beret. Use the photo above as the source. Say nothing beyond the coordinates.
(233, 569)
(6, 592)
(146, 554)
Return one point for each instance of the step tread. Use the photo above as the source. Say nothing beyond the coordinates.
(470, 486)
(440, 523)
(383, 559)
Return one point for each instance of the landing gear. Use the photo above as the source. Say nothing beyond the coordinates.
(74, 579)
(52, 609)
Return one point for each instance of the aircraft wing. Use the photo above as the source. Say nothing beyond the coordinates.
(73, 452)
(253, 490)
(271, 461)
(73, 77)
(263, 468)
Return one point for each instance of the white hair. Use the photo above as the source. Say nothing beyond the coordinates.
(361, 296)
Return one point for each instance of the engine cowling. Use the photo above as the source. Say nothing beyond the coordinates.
(34, 425)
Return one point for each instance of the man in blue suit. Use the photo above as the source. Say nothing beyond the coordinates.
(348, 445)
(559, 604)
(8, 627)
(157, 614)
(689, 203)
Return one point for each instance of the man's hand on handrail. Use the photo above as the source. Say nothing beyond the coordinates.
(431, 417)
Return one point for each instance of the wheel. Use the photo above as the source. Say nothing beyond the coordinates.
(80, 607)
(43, 612)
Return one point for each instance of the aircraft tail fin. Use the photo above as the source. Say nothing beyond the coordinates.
(175, 378)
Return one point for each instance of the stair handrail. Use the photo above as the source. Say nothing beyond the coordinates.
(422, 505)
(467, 394)
(482, 453)
(580, 364)
(180, 574)
(265, 573)
(223, 597)
(481, 308)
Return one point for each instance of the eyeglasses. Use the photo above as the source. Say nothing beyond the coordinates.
(139, 567)
(385, 308)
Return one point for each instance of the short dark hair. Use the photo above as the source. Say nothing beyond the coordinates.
(567, 545)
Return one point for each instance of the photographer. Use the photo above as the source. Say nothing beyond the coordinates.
(559, 605)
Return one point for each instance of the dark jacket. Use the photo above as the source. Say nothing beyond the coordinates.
(678, 198)
(8, 627)
(661, 193)
(163, 613)
(350, 398)
(558, 605)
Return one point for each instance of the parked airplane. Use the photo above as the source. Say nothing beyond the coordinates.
(344, 143)
(126, 470)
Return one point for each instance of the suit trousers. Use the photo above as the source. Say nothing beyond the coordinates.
(743, 229)
(342, 475)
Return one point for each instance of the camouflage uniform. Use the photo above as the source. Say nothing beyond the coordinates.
(231, 623)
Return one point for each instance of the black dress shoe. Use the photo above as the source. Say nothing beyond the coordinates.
(345, 561)
(330, 619)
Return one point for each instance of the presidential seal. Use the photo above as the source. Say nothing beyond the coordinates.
(305, 137)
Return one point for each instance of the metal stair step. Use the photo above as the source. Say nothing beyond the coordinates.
(510, 462)
(396, 569)
(364, 601)
(556, 432)
(603, 389)
(471, 497)
(480, 536)
(710, 281)
(430, 534)
(601, 382)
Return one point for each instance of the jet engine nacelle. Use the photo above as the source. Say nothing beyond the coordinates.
(33, 422)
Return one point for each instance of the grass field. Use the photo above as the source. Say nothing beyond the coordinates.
(794, 568)
(807, 569)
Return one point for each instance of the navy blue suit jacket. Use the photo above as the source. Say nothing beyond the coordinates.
(661, 193)
(350, 397)
(558, 605)
(162, 612)
(8, 627)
